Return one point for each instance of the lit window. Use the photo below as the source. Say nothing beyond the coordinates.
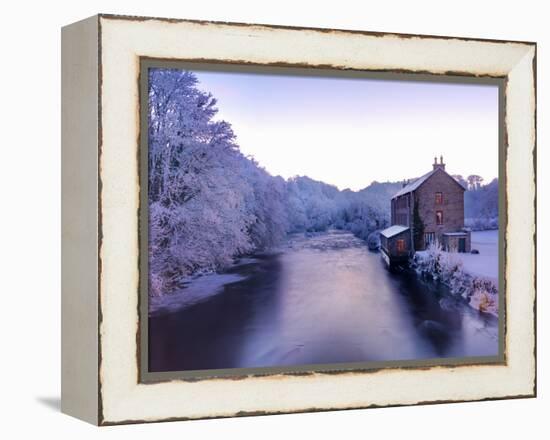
(438, 198)
(400, 245)
(439, 217)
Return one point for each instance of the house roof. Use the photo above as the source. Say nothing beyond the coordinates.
(416, 183)
(394, 230)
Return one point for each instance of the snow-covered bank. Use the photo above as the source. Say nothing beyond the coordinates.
(484, 264)
(472, 276)
(195, 290)
(202, 286)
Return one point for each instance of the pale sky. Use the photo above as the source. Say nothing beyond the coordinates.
(349, 132)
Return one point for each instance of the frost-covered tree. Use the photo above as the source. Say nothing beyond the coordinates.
(208, 203)
(198, 196)
(266, 203)
(481, 207)
(461, 180)
(312, 204)
(317, 206)
(474, 182)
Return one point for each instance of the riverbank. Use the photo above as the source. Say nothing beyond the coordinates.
(485, 263)
(474, 277)
(319, 299)
(202, 286)
(194, 290)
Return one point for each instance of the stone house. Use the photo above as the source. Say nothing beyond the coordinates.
(429, 209)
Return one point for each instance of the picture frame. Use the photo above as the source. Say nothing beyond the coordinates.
(103, 271)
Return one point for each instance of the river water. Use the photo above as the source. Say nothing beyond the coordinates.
(320, 299)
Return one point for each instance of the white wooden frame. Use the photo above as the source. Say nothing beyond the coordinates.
(101, 193)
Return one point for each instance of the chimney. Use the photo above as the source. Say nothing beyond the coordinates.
(440, 164)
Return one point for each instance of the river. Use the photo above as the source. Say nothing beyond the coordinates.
(319, 299)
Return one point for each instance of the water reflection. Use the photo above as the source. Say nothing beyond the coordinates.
(322, 299)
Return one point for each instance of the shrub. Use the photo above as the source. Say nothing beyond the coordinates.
(446, 267)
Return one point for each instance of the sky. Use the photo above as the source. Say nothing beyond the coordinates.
(349, 132)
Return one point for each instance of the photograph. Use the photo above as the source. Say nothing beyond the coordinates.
(300, 219)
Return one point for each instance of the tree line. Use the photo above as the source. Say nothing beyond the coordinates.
(481, 206)
(209, 203)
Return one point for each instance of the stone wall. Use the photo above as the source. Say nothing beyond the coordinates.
(452, 205)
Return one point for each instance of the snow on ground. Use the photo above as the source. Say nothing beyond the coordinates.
(480, 285)
(484, 264)
(197, 289)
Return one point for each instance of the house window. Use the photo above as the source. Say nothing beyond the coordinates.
(400, 245)
(438, 198)
(439, 217)
(429, 237)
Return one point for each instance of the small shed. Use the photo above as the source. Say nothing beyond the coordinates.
(457, 241)
(395, 244)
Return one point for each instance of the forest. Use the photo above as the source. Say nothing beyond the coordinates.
(209, 203)
(481, 206)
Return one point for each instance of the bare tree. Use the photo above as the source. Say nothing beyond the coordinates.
(474, 182)
(460, 179)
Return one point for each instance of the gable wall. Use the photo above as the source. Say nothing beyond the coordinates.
(452, 206)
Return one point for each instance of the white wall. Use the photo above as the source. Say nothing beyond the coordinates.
(30, 215)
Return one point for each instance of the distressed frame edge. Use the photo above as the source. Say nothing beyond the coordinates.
(533, 211)
(124, 17)
(102, 421)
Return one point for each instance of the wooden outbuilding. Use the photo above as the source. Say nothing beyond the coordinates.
(395, 245)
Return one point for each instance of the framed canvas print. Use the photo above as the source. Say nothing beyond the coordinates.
(264, 219)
